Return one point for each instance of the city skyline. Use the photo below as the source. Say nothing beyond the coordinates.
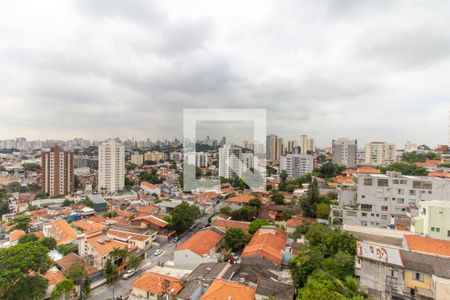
(322, 69)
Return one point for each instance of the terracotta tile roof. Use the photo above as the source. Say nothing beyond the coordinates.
(62, 232)
(122, 213)
(439, 174)
(147, 209)
(152, 219)
(429, 163)
(127, 234)
(207, 195)
(73, 258)
(267, 243)
(89, 227)
(422, 244)
(202, 242)
(105, 247)
(227, 224)
(97, 219)
(245, 199)
(54, 277)
(156, 283)
(368, 170)
(294, 222)
(227, 290)
(344, 179)
(15, 235)
(149, 185)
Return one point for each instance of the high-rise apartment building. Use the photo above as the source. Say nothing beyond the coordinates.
(297, 165)
(229, 156)
(344, 152)
(274, 148)
(111, 167)
(306, 144)
(57, 172)
(380, 153)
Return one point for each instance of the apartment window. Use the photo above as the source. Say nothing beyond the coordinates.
(395, 181)
(365, 215)
(427, 185)
(401, 191)
(384, 208)
(412, 192)
(383, 182)
(403, 181)
(448, 233)
(417, 184)
(438, 229)
(424, 211)
(368, 181)
(400, 200)
(432, 229)
(366, 207)
(418, 276)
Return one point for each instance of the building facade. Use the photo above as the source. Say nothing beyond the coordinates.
(433, 219)
(297, 165)
(229, 164)
(137, 159)
(57, 172)
(380, 153)
(306, 144)
(111, 167)
(344, 152)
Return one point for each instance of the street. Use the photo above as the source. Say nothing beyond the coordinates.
(122, 287)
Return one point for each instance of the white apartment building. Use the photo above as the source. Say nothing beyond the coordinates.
(229, 166)
(137, 159)
(375, 199)
(344, 152)
(274, 148)
(306, 144)
(297, 165)
(380, 153)
(111, 167)
(199, 159)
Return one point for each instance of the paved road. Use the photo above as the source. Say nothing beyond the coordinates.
(122, 287)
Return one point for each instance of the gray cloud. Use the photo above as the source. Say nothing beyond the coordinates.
(363, 69)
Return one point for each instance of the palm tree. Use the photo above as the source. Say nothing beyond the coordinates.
(119, 255)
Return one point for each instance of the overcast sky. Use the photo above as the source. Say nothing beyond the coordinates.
(371, 70)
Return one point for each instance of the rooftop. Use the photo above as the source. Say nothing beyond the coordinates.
(158, 284)
(62, 232)
(202, 241)
(268, 243)
(422, 244)
(226, 290)
(227, 224)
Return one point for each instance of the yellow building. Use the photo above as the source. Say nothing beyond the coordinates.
(154, 156)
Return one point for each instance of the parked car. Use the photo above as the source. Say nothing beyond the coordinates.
(129, 273)
(158, 252)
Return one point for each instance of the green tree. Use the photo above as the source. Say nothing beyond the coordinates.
(308, 203)
(63, 288)
(31, 167)
(277, 197)
(328, 170)
(256, 224)
(48, 242)
(226, 210)
(322, 210)
(65, 249)
(339, 240)
(133, 261)
(184, 216)
(21, 269)
(87, 202)
(283, 176)
(255, 202)
(319, 288)
(246, 213)
(27, 238)
(110, 271)
(316, 235)
(300, 230)
(303, 264)
(66, 203)
(235, 239)
(406, 169)
(21, 223)
(341, 265)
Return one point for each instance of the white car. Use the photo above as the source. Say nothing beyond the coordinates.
(129, 273)
(158, 252)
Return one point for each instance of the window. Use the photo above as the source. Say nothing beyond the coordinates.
(432, 229)
(448, 233)
(368, 181)
(418, 276)
(384, 208)
(438, 229)
(412, 192)
(383, 182)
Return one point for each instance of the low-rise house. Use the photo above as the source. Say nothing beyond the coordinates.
(293, 223)
(200, 278)
(267, 245)
(380, 269)
(155, 286)
(228, 290)
(54, 276)
(242, 200)
(422, 244)
(62, 232)
(142, 241)
(150, 222)
(274, 289)
(70, 259)
(422, 272)
(89, 227)
(98, 202)
(200, 248)
(227, 224)
(433, 219)
(150, 188)
(15, 235)
(96, 248)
